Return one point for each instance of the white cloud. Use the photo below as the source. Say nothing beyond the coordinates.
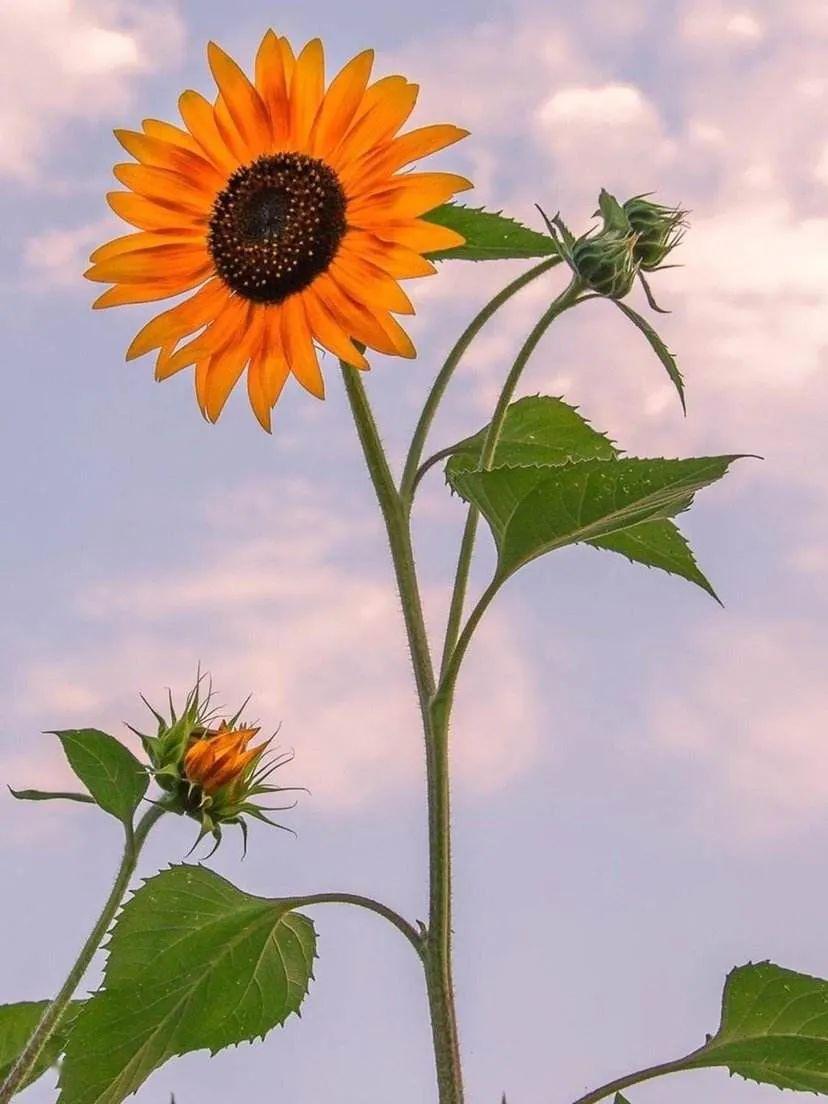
(62, 60)
(318, 643)
(56, 258)
(710, 23)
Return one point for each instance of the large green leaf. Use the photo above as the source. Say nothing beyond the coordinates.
(774, 1029)
(540, 430)
(533, 510)
(536, 430)
(17, 1023)
(194, 964)
(111, 773)
(660, 544)
(490, 236)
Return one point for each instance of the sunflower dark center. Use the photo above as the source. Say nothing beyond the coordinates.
(277, 225)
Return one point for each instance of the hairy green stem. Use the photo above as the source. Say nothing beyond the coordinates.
(637, 1078)
(53, 1016)
(410, 472)
(568, 298)
(436, 949)
(400, 923)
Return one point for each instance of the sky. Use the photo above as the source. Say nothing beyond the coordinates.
(641, 777)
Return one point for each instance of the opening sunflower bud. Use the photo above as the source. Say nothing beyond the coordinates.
(211, 769)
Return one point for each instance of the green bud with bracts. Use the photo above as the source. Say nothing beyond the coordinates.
(605, 261)
(209, 767)
(659, 230)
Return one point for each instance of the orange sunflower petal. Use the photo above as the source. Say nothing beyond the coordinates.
(299, 348)
(328, 332)
(168, 132)
(380, 123)
(166, 187)
(374, 328)
(385, 160)
(165, 262)
(268, 370)
(227, 366)
(288, 61)
(149, 215)
(419, 235)
(181, 320)
(306, 92)
(340, 104)
(393, 259)
(122, 294)
(271, 85)
(363, 280)
(229, 321)
(141, 239)
(244, 104)
(164, 155)
(200, 120)
(406, 197)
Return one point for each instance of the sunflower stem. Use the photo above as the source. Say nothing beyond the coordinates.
(53, 1016)
(436, 945)
(411, 478)
(568, 298)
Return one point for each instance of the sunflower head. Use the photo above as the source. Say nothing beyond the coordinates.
(285, 209)
(211, 769)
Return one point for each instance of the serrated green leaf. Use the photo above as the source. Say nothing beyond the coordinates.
(533, 510)
(536, 430)
(49, 795)
(490, 236)
(111, 773)
(658, 544)
(774, 1029)
(194, 964)
(658, 347)
(17, 1024)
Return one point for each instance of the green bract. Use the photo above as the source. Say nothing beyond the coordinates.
(658, 230)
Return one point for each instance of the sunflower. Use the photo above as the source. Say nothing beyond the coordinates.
(283, 207)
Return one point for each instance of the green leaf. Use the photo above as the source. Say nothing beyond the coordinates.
(48, 795)
(111, 773)
(490, 236)
(620, 1099)
(17, 1024)
(658, 544)
(774, 1029)
(194, 964)
(536, 430)
(533, 510)
(659, 348)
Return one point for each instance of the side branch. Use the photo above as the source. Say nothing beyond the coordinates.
(414, 937)
(638, 1078)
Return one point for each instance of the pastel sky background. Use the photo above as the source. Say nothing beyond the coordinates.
(642, 777)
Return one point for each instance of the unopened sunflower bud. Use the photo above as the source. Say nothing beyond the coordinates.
(211, 769)
(606, 262)
(659, 230)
